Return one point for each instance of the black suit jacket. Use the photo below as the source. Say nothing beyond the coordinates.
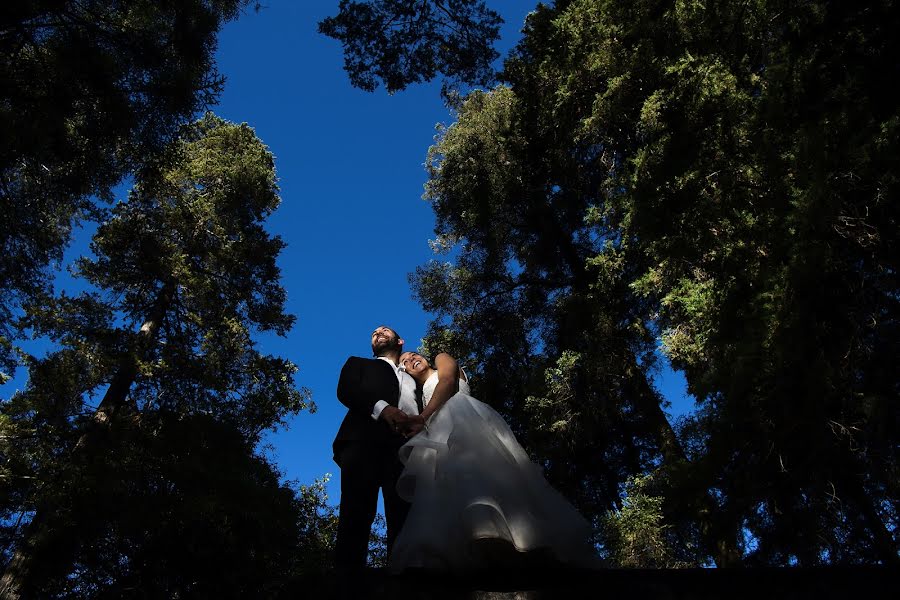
(363, 382)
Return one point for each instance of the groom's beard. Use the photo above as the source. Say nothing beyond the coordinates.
(381, 348)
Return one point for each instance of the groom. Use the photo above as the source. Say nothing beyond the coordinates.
(379, 397)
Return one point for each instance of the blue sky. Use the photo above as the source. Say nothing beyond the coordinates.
(350, 166)
(351, 172)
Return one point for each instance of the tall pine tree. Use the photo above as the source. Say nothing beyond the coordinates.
(722, 178)
(88, 90)
(185, 273)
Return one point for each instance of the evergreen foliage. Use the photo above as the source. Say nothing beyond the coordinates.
(88, 91)
(719, 177)
(181, 506)
(636, 535)
(158, 485)
(712, 182)
(398, 42)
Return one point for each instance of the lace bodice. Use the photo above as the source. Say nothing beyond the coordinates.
(431, 383)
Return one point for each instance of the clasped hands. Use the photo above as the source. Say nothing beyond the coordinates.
(402, 423)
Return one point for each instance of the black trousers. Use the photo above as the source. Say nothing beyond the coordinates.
(367, 467)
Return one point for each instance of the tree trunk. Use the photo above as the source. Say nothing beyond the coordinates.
(725, 549)
(17, 580)
(114, 400)
(722, 544)
(882, 540)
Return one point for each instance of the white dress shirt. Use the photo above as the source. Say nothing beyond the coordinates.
(407, 401)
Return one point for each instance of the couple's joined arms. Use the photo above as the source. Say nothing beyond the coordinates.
(394, 416)
(447, 385)
(349, 395)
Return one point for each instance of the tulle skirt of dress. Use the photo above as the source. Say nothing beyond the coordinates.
(477, 499)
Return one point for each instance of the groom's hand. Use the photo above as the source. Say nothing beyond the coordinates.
(394, 417)
(414, 424)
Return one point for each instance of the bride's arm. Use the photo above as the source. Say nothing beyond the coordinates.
(447, 385)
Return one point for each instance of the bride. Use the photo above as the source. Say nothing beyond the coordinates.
(477, 499)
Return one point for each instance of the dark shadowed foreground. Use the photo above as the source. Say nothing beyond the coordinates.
(649, 584)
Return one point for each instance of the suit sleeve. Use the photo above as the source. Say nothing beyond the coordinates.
(349, 390)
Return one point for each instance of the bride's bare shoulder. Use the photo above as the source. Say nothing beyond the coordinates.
(444, 363)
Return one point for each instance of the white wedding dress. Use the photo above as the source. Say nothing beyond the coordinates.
(478, 502)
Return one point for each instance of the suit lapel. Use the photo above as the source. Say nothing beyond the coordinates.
(389, 376)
